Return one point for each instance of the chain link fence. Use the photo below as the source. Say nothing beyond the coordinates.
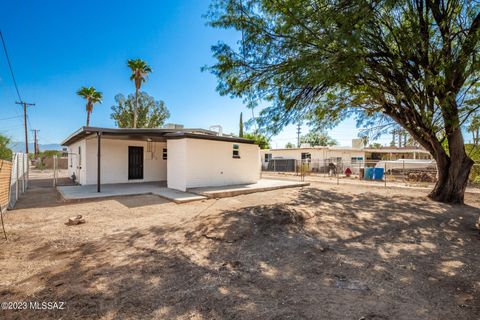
(409, 172)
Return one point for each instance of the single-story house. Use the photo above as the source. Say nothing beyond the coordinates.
(184, 158)
(320, 157)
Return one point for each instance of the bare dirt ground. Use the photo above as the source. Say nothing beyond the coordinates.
(320, 252)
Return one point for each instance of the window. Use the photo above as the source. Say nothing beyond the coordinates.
(164, 154)
(356, 160)
(268, 157)
(306, 156)
(79, 156)
(236, 151)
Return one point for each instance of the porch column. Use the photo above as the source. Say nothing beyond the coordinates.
(99, 140)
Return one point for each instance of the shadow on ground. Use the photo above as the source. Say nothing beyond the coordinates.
(324, 255)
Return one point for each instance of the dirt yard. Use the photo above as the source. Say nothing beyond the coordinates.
(321, 252)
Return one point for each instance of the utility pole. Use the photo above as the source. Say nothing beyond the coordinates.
(299, 130)
(35, 143)
(25, 121)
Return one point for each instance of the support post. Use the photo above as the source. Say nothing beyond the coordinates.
(99, 142)
(17, 184)
(385, 173)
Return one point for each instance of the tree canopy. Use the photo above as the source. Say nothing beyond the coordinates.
(321, 138)
(474, 128)
(140, 69)
(413, 62)
(92, 96)
(260, 139)
(5, 151)
(151, 113)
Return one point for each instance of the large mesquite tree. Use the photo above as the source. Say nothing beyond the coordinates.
(412, 62)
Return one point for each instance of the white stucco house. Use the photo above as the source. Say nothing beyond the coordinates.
(183, 158)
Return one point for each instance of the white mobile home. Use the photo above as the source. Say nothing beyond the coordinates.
(183, 158)
(319, 157)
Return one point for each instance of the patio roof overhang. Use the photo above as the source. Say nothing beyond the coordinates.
(152, 134)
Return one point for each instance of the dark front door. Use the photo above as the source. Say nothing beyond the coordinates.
(135, 163)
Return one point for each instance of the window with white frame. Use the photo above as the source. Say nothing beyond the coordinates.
(268, 157)
(306, 156)
(79, 156)
(164, 154)
(236, 151)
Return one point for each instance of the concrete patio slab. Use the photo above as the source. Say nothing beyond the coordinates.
(89, 192)
(235, 190)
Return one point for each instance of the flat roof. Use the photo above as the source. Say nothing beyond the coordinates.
(145, 133)
(184, 135)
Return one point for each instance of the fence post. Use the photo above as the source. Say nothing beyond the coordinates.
(17, 187)
(28, 170)
(338, 174)
(385, 173)
(23, 173)
(53, 165)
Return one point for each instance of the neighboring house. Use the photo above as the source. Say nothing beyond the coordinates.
(319, 157)
(184, 158)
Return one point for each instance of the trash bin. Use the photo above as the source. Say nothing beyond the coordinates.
(378, 173)
(369, 173)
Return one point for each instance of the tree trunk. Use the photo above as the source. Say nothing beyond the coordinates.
(136, 108)
(88, 118)
(453, 171)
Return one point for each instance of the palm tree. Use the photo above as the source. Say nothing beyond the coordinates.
(92, 96)
(474, 128)
(140, 70)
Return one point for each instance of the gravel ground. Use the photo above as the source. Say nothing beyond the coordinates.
(319, 252)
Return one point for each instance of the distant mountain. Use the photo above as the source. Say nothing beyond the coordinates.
(20, 147)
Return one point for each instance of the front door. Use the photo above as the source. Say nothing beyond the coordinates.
(135, 163)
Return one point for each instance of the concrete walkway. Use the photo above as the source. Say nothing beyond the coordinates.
(89, 192)
(75, 193)
(235, 190)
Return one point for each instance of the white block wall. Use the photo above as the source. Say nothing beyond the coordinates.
(204, 163)
(75, 166)
(177, 164)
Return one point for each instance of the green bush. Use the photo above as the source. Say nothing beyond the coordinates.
(474, 177)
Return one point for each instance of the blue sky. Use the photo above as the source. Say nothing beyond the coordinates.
(58, 46)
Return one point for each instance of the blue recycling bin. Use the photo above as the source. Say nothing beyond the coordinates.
(368, 173)
(378, 173)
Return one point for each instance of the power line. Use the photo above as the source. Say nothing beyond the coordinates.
(10, 66)
(9, 118)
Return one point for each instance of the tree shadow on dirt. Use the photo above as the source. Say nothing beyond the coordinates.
(323, 255)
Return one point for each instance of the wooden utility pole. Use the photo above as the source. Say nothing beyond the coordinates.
(25, 121)
(35, 143)
(299, 131)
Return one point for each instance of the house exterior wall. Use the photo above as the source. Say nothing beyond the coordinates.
(77, 161)
(114, 161)
(316, 154)
(204, 163)
(346, 155)
(177, 164)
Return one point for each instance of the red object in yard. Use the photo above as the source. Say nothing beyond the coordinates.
(348, 172)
